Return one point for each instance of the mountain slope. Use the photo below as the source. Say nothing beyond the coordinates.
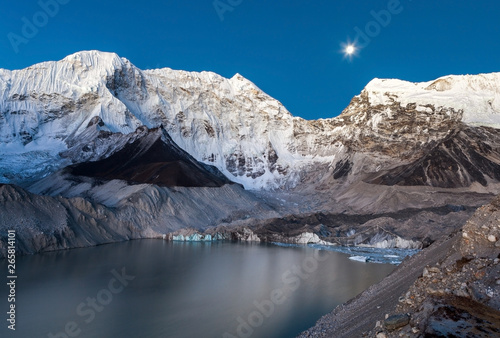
(154, 159)
(467, 156)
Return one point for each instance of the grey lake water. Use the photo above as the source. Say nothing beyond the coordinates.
(154, 288)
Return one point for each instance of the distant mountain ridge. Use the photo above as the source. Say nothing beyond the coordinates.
(231, 124)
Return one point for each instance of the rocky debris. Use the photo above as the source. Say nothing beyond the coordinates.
(459, 296)
(402, 229)
(481, 233)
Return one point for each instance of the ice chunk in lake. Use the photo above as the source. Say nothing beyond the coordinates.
(358, 258)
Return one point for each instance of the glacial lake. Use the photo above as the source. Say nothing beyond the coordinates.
(154, 288)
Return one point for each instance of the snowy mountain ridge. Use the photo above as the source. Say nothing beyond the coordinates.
(229, 123)
(478, 96)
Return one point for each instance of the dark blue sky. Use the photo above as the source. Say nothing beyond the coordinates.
(290, 49)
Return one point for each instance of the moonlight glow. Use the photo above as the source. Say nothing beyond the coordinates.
(349, 50)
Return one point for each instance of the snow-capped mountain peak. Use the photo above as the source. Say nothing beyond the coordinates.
(229, 123)
(478, 96)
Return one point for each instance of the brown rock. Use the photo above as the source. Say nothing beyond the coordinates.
(480, 274)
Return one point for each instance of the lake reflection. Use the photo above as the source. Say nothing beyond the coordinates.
(182, 290)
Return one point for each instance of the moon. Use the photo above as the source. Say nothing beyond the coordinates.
(349, 50)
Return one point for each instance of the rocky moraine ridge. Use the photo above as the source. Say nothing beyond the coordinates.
(95, 150)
